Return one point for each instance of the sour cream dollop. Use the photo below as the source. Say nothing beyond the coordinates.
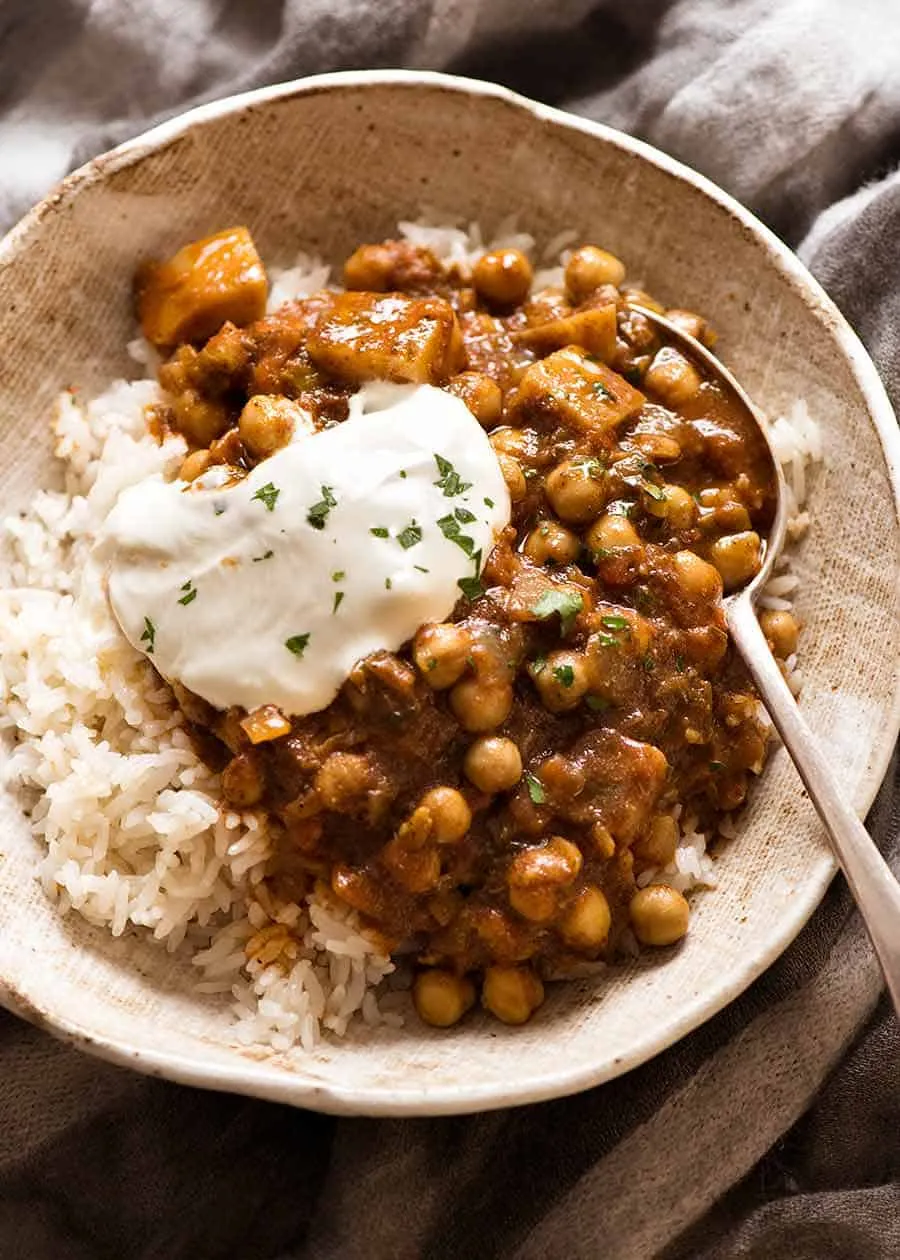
(270, 590)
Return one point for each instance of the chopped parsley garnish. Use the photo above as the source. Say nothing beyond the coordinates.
(679, 663)
(564, 675)
(567, 603)
(464, 515)
(717, 765)
(621, 507)
(403, 473)
(449, 527)
(266, 555)
(338, 599)
(297, 644)
(191, 593)
(489, 503)
(655, 492)
(318, 513)
(607, 640)
(449, 481)
(268, 494)
(597, 703)
(535, 788)
(149, 635)
(539, 663)
(338, 575)
(602, 392)
(379, 531)
(421, 568)
(409, 536)
(613, 621)
(388, 584)
(649, 664)
(471, 587)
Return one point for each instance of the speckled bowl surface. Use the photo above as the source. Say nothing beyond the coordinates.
(322, 165)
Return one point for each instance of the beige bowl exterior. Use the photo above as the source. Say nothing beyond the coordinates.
(322, 165)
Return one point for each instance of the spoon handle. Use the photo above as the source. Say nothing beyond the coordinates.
(871, 881)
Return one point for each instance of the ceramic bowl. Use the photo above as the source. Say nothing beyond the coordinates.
(324, 164)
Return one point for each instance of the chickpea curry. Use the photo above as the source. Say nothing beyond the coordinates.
(488, 797)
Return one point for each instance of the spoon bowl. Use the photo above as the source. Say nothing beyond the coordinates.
(874, 887)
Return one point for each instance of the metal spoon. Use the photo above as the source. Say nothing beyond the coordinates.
(871, 881)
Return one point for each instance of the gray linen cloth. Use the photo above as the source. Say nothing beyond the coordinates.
(792, 106)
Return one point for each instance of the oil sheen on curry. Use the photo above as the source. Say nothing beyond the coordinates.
(439, 588)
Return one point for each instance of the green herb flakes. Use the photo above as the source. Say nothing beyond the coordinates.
(266, 555)
(608, 640)
(421, 568)
(190, 593)
(268, 495)
(388, 584)
(464, 516)
(449, 527)
(489, 503)
(597, 703)
(621, 507)
(318, 513)
(471, 587)
(567, 603)
(535, 788)
(564, 675)
(614, 621)
(379, 531)
(338, 575)
(297, 644)
(679, 663)
(717, 765)
(409, 536)
(338, 600)
(149, 635)
(649, 664)
(450, 481)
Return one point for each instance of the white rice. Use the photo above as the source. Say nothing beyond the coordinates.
(131, 822)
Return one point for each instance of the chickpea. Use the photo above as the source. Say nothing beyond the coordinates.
(641, 297)
(660, 448)
(537, 875)
(611, 533)
(552, 543)
(781, 630)
(344, 780)
(369, 267)
(503, 277)
(513, 994)
(441, 998)
(441, 653)
(481, 394)
(698, 580)
(587, 921)
(481, 706)
(737, 557)
(672, 377)
(268, 423)
(562, 680)
(678, 507)
(590, 267)
(513, 476)
(195, 465)
(657, 848)
(242, 783)
(576, 490)
(694, 325)
(493, 764)
(659, 915)
(451, 817)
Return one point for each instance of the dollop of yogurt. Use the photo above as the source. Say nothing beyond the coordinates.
(270, 589)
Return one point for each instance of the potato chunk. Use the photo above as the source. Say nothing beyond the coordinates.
(576, 390)
(368, 336)
(190, 296)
